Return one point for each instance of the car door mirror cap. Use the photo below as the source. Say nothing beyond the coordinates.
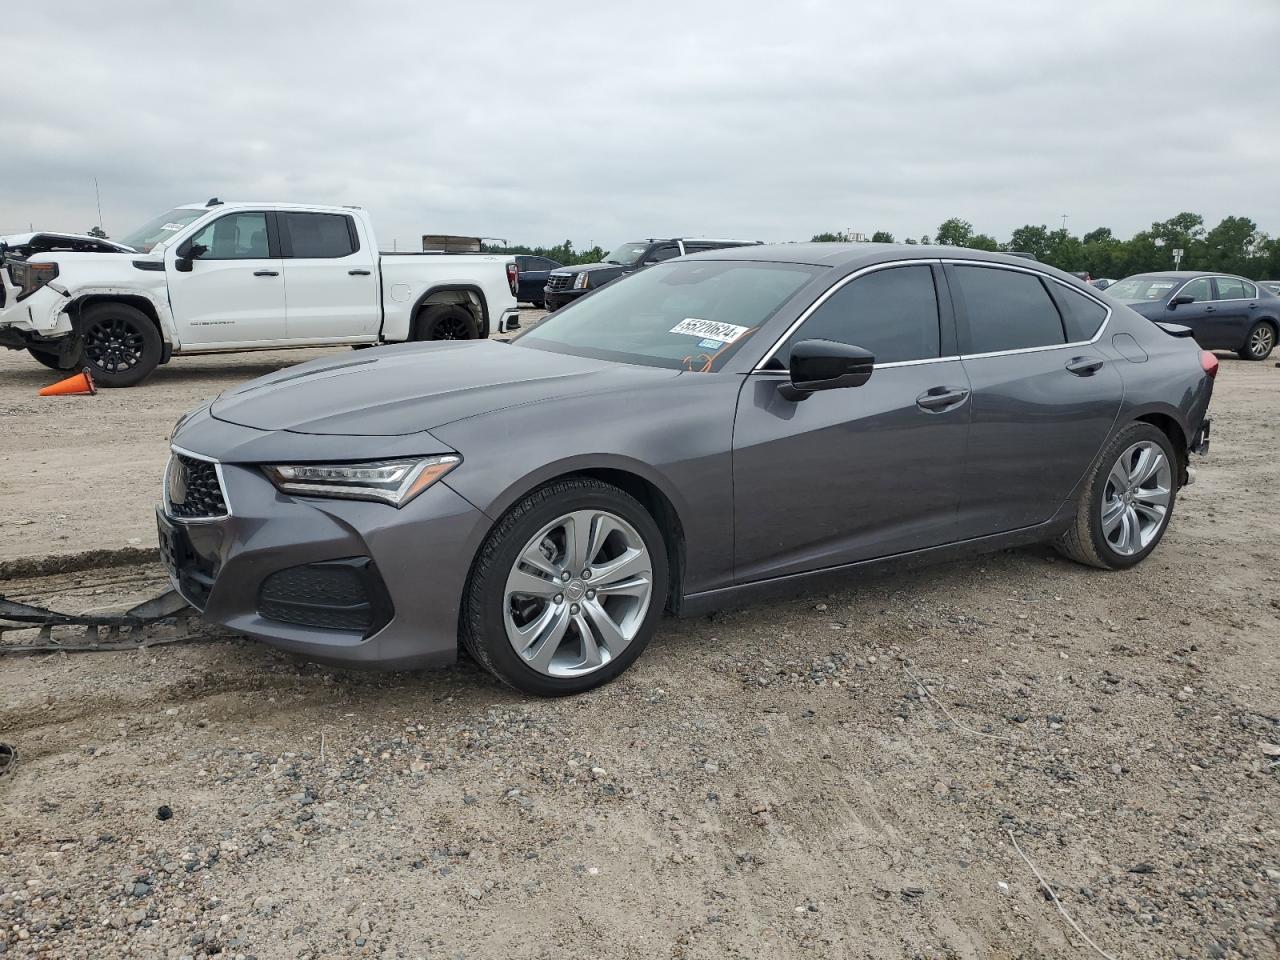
(1180, 300)
(826, 365)
(187, 254)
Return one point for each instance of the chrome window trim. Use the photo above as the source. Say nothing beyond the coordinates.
(1215, 276)
(1016, 268)
(222, 484)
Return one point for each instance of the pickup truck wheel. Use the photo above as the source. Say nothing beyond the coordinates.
(50, 360)
(445, 322)
(121, 344)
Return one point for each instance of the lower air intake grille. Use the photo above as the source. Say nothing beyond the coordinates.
(334, 595)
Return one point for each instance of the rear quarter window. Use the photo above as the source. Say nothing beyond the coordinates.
(1081, 315)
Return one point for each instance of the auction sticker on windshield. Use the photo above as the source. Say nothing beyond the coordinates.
(710, 329)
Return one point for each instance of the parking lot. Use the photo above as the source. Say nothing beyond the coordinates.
(771, 782)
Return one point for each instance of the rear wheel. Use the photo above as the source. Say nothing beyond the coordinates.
(446, 322)
(121, 344)
(1260, 342)
(1127, 502)
(567, 590)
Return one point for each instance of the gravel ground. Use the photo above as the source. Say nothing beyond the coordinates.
(840, 775)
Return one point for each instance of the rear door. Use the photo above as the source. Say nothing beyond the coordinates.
(234, 292)
(861, 472)
(1231, 313)
(1044, 395)
(331, 278)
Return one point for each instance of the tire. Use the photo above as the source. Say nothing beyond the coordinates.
(50, 360)
(557, 659)
(1103, 533)
(121, 344)
(1259, 343)
(539, 305)
(445, 322)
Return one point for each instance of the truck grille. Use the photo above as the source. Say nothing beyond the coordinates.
(192, 490)
(559, 281)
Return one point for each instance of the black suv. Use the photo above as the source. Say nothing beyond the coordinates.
(569, 283)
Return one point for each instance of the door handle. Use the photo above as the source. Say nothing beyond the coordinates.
(266, 273)
(1084, 366)
(1209, 309)
(357, 273)
(937, 399)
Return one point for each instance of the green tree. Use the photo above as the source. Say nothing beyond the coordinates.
(1064, 251)
(828, 238)
(1232, 246)
(980, 241)
(955, 233)
(882, 236)
(98, 232)
(1030, 239)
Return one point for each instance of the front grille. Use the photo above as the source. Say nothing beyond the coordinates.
(334, 595)
(192, 490)
(559, 281)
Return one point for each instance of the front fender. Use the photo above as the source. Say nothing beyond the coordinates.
(155, 302)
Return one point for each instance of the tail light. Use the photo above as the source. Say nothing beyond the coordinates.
(513, 277)
(1209, 363)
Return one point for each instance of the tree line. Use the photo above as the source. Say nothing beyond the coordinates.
(562, 253)
(1235, 245)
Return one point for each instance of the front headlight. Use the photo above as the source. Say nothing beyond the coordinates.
(581, 280)
(30, 277)
(386, 481)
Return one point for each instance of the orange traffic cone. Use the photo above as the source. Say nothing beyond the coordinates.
(80, 384)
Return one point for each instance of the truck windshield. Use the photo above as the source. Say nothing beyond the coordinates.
(687, 315)
(162, 228)
(627, 254)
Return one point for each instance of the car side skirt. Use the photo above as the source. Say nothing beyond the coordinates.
(744, 594)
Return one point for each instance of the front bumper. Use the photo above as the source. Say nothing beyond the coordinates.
(555, 299)
(39, 317)
(415, 561)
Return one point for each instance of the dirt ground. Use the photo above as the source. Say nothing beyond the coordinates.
(767, 783)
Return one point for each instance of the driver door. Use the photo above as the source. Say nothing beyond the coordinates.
(234, 293)
(862, 472)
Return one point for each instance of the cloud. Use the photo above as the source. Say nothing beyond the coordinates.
(603, 122)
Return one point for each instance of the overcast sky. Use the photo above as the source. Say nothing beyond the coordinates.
(603, 122)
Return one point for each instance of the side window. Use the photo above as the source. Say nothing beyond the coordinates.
(1081, 315)
(893, 313)
(1007, 310)
(1199, 289)
(316, 236)
(237, 236)
(1250, 290)
(658, 254)
(1229, 288)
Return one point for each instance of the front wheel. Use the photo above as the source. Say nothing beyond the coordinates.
(121, 344)
(567, 590)
(50, 360)
(1127, 501)
(1259, 343)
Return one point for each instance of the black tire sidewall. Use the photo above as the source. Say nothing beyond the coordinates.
(486, 594)
(152, 345)
(1126, 438)
(49, 360)
(432, 316)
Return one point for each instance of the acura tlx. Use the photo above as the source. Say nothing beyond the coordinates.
(707, 431)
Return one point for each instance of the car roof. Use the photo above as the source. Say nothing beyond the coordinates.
(854, 255)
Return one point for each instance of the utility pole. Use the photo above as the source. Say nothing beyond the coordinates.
(1064, 223)
(98, 195)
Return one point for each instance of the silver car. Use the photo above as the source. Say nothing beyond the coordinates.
(709, 431)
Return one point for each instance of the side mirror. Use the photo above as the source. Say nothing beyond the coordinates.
(1181, 300)
(826, 365)
(188, 253)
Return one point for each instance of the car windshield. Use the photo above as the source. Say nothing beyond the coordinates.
(687, 315)
(627, 254)
(1143, 288)
(162, 228)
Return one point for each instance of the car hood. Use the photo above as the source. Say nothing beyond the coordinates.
(1148, 308)
(394, 391)
(29, 244)
(588, 267)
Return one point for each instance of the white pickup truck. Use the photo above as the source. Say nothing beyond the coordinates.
(222, 277)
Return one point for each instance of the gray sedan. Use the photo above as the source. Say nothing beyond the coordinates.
(706, 432)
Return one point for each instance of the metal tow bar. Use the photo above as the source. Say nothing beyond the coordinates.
(123, 631)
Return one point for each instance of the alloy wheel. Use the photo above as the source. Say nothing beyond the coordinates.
(1135, 502)
(451, 328)
(578, 593)
(113, 345)
(1262, 340)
